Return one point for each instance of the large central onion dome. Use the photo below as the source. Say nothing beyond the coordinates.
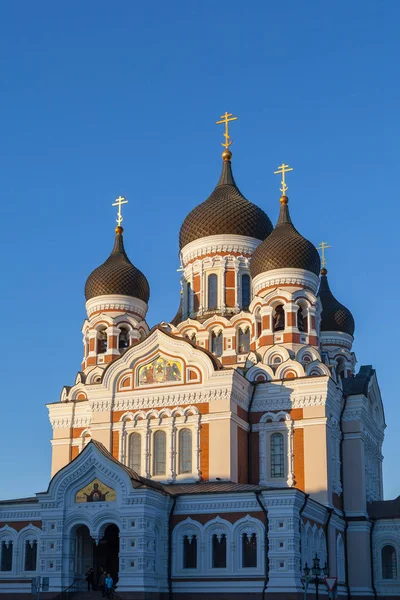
(285, 248)
(117, 276)
(226, 211)
(335, 316)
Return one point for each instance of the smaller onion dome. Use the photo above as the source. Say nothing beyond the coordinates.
(226, 211)
(285, 248)
(117, 276)
(335, 316)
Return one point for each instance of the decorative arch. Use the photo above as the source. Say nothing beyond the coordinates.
(29, 535)
(289, 366)
(261, 373)
(249, 540)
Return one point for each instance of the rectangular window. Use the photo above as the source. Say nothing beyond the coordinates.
(219, 551)
(190, 552)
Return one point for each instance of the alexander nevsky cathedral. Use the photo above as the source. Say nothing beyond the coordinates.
(234, 451)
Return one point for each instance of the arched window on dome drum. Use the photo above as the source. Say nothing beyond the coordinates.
(245, 292)
(160, 453)
(185, 451)
(279, 318)
(123, 341)
(102, 340)
(244, 341)
(249, 550)
(389, 562)
(188, 298)
(301, 321)
(6, 551)
(216, 343)
(219, 551)
(190, 552)
(135, 450)
(277, 456)
(30, 555)
(212, 281)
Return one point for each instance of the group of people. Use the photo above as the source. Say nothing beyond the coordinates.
(106, 582)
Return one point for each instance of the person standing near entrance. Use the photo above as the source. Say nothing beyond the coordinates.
(102, 582)
(90, 578)
(109, 585)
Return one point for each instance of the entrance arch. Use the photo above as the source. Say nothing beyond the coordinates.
(104, 554)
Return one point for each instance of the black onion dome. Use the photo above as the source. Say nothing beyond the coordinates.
(226, 211)
(285, 248)
(335, 316)
(117, 276)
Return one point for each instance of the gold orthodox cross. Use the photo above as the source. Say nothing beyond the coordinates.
(282, 169)
(323, 246)
(119, 202)
(226, 118)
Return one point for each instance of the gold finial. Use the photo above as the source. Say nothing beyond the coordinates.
(282, 169)
(226, 118)
(119, 202)
(323, 246)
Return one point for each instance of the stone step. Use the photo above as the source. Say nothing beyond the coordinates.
(86, 595)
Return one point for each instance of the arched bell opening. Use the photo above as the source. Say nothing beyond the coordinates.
(278, 318)
(123, 340)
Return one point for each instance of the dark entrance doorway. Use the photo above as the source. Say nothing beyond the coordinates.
(106, 554)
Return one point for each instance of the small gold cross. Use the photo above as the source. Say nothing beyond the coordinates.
(226, 118)
(323, 246)
(282, 169)
(119, 202)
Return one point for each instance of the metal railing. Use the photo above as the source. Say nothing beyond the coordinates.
(76, 586)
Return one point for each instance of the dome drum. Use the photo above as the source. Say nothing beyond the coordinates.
(285, 276)
(118, 303)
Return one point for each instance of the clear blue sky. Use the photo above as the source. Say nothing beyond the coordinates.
(100, 99)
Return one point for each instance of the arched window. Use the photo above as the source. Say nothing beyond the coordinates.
(277, 457)
(279, 318)
(188, 298)
(341, 569)
(216, 343)
(389, 563)
(123, 341)
(6, 556)
(102, 340)
(249, 550)
(30, 555)
(212, 292)
(135, 450)
(219, 551)
(190, 552)
(245, 292)
(244, 341)
(193, 337)
(300, 319)
(160, 453)
(185, 451)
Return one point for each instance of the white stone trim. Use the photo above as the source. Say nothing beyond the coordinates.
(118, 303)
(290, 276)
(218, 243)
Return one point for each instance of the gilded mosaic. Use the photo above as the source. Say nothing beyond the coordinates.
(160, 370)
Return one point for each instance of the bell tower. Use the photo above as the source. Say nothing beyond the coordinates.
(117, 295)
